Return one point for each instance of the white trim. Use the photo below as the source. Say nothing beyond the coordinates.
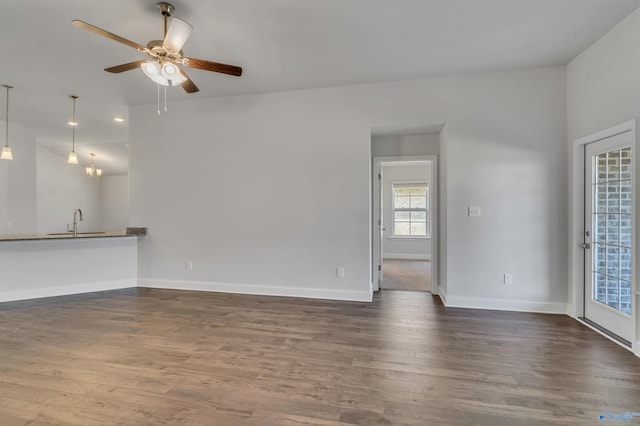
(576, 220)
(406, 256)
(374, 212)
(600, 332)
(607, 133)
(44, 291)
(505, 305)
(443, 295)
(263, 290)
(407, 237)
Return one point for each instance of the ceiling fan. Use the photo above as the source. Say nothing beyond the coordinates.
(164, 56)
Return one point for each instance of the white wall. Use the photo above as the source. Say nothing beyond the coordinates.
(404, 145)
(603, 89)
(402, 248)
(61, 188)
(271, 192)
(115, 202)
(18, 183)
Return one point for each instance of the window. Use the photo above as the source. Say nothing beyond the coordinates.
(411, 209)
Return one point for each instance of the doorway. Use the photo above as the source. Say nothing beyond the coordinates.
(608, 236)
(405, 223)
(406, 274)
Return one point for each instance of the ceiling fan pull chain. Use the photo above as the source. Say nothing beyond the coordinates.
(158, 100)
(165, 99)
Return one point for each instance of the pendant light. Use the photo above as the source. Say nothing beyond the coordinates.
(91, 170)
(6, 149)
(73, 157)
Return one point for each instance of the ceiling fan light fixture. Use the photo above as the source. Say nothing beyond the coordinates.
(177, 34)
(173, 74)
(152, 70)
(169, 70)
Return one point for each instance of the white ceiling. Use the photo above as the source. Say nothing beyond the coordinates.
(281, 44)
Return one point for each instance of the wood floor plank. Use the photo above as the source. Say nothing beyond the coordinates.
(162, 357)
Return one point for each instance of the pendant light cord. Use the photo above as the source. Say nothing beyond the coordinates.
(73, 127)
(6, 128)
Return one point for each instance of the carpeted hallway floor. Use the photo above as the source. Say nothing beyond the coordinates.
(400, 274)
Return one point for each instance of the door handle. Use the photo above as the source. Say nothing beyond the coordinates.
(585, 246)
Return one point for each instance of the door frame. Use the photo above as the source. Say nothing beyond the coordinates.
(375, 214)
(576, 220)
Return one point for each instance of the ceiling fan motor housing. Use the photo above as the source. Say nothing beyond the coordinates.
(165, 8)
(157, 51)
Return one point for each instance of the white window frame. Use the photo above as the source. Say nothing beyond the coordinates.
(427, 210)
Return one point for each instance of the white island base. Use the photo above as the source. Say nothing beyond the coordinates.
(31, 269)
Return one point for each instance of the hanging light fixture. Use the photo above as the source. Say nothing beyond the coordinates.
(91, 170)
(167, 74)
(163, 74)
(73, 157)
(6, 149)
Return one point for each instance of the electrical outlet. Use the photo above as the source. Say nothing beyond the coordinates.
(189, 264)
(340, 272)
(507, 279)
(473, 211)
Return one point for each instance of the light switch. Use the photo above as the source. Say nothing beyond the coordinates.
(474, 211)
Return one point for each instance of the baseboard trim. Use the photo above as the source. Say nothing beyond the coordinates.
(311, 293)
(40, 292)
(443, 295)
(504, 305)
(407, 256)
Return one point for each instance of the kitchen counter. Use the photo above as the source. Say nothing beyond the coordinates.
(129, 232)
(37, 265)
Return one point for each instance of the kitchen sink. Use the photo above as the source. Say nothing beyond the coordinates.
(79, 233)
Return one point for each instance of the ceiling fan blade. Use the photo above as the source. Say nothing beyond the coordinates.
(107, 34)
(177, 34)
(212, 66)
(125, 67)
(188, 85)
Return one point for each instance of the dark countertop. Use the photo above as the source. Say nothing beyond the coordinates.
(129, 232)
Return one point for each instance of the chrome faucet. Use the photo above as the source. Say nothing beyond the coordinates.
(75, 221)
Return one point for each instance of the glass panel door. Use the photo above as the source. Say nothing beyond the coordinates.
(608, 235)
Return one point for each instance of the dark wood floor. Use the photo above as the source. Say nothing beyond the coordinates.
(156, 357)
